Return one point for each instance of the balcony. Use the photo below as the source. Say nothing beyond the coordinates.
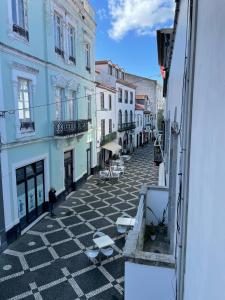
(126, 126)
(108, 138)
(65, 128)
(149, 249)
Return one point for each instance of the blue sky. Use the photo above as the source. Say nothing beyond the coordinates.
(127, 36)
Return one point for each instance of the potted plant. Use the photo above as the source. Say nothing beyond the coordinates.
(152, 231)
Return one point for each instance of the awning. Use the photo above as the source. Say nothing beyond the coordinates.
(114, 147)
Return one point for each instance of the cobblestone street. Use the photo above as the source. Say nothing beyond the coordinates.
(48, 262)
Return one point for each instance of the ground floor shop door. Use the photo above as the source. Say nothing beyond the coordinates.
(30, 192)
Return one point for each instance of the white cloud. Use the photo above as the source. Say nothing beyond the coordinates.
(141, 16)
(102, 14)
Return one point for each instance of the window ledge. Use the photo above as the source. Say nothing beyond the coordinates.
(15, 36)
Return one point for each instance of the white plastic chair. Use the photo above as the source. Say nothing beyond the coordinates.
(107, 251)
(91, 254)
(121, 229)
(98, 234)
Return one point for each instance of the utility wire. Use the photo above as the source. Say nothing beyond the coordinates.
(12, 111)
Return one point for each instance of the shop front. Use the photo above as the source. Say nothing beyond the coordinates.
(30, 184)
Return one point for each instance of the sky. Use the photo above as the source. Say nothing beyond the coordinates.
(126, 33)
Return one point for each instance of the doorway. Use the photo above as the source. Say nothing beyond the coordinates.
(30, 192)
(89, 160)
(68, 171)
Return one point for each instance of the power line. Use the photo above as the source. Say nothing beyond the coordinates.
(12, 111)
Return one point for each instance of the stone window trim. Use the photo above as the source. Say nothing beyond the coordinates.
(18, 31)
(68, 22)
(25, 129)
(87, 53)
(68, 85)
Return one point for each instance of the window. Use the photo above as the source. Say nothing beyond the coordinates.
(71, 105)
(126, 96)
(88, 57)
(71, 43)
(89, 107)
(110, 69)
(102, 101)
(110, 102)
(110, 125)
(58, 26)
(117, 73)
(131, 116)
(120, 117)
(102, 128)
(126, 116)
(19, 16)
(131, 97)
(123, 75)
(59, 95)
(120, 98)
(24, 99)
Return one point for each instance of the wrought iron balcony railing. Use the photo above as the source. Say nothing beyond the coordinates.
(64, 128)
(27, 125)
(108, 138)
(21, 31)
(126, 126)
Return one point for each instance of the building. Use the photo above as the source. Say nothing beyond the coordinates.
(139, 130)
(106, 121)
(47, 104)
(189, 210)
(114, 76)
(149, 93)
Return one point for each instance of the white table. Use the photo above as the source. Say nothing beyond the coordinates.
(103, 241)
(123, 221)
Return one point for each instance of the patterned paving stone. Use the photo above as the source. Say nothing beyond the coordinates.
(49, 262)
(94, 278)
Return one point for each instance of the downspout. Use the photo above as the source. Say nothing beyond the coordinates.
(188, 108)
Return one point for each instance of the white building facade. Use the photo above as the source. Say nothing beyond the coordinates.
(106, 120)
(113, 76)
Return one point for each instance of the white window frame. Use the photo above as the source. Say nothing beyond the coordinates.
(110, 102)
(88, 56)
(59, 44)
(71, 105)
(13, 34)
(102, 101)
(71, 37)
(89, 109)
(16, 74)
(21, 92)
(59, 112)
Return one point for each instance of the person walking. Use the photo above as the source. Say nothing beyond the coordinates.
(52, 200)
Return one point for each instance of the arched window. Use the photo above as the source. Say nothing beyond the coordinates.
(131, 116)
(120, 119)
(126, 116)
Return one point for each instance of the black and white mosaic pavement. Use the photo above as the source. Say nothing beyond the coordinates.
(48, 262)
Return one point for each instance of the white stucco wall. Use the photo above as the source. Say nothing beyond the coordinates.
(205, 272)
(157, 200)
(148, 282)
(105, 114)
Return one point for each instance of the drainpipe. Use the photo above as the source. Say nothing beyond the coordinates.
(3, 242)
(187, 147)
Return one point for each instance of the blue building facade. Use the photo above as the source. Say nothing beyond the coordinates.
(47, 104)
